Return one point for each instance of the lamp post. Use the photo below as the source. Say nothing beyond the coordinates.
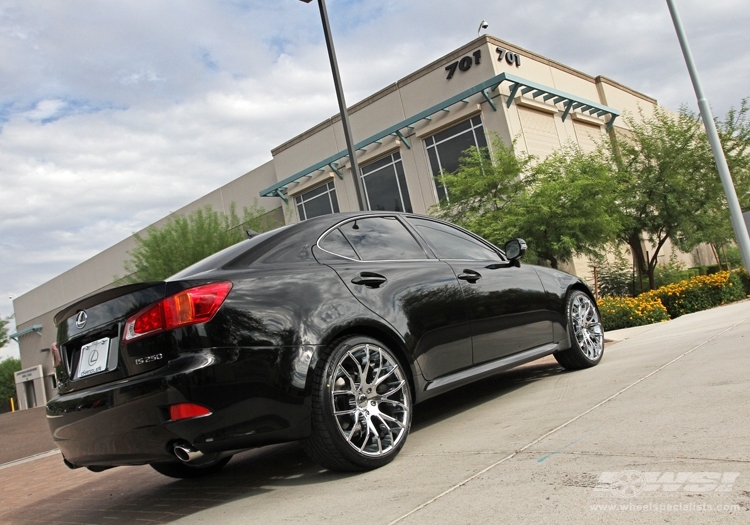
(738, 222)
(342, 104)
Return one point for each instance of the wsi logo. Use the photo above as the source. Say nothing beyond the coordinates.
(631, 483)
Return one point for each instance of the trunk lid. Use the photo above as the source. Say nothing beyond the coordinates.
(89, 336)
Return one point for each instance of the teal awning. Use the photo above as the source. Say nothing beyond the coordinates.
(517, 86)
(37, 329)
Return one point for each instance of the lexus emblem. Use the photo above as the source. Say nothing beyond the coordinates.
(81, 319)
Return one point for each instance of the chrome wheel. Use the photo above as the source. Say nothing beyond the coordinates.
(370, 398)
(586, 326)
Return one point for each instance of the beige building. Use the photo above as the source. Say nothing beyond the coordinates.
(405, 135)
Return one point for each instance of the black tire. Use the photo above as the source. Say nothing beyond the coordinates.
(187, 471)
(585, 332)
(359, 425)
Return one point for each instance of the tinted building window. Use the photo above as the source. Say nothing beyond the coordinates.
(450, 243)
(319, 201)
(444, 149)
(382, 239)
(385, 184)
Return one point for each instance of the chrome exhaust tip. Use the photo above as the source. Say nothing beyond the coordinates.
(187, 454)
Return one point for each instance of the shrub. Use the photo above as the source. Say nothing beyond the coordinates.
(615, 278)
(8, 382)
(745, 279)
(732, 256)
(624, 312)
(698, 293)
(672, 272)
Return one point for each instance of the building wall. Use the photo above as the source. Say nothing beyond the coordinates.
(537, 127)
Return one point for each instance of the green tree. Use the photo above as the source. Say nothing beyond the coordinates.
(8, 367)
(561, 206)
(4, 330)
(185, 240)
(668, 185)
(734, 132)
(568, 208)
(484, 187)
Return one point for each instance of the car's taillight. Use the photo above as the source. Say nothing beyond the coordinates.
(186, 411)
(192, 306)
(56, 355)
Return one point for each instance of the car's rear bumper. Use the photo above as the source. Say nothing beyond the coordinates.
(257, 396)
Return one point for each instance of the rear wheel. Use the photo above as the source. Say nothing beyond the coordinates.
(187, 471)
(362, 406)
(585, 331)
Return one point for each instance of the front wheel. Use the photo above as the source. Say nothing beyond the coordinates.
(585, 331)
(361, 404)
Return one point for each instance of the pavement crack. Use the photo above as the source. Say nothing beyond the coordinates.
(457, 453)
(644, 456)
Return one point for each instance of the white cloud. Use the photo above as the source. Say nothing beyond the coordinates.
(113, 114)
(45, 109)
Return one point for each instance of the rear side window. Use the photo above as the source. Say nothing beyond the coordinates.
(451, 243)
(335, 242)
(381, 239)
(239, 255)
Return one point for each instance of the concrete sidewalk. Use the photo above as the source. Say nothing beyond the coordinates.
(615, 336)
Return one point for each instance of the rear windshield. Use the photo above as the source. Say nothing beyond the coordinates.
(226, 255)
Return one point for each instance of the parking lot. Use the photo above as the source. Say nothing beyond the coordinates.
(658, 432)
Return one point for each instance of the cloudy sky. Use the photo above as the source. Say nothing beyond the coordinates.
(114, 113)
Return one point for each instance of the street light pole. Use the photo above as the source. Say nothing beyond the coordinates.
(342, 104)
(738, 223)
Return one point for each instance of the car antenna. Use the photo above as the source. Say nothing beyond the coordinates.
(251, 233)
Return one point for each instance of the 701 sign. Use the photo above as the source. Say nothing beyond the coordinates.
(464, 64)
(476, 57)
(509, 56)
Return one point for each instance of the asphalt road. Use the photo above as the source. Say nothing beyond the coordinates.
(657, 433)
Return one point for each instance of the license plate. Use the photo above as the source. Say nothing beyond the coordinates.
(94, 357)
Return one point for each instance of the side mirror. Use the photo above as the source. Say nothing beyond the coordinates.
(514, 249)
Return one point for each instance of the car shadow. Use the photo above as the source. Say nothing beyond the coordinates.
(445, 406)
(130, 494)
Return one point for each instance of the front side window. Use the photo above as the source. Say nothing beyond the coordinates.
(450, 243)
(385, 184)
(318, 201)
(381, 239)
(444, 149)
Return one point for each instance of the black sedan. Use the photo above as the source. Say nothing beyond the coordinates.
(328, 331)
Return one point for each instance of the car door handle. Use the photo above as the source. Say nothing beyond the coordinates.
(470, 275)
(370, 279)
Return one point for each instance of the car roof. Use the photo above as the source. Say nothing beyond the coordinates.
(286, 244)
